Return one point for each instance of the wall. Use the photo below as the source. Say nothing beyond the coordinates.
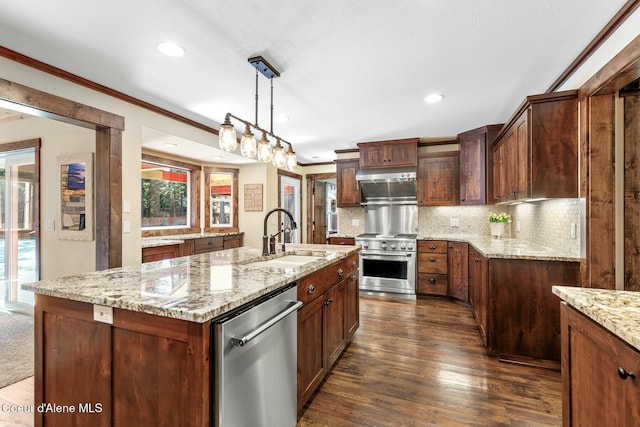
(59, 257)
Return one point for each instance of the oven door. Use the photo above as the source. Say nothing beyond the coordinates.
(393, 272)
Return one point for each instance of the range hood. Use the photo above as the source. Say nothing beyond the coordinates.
(387, 186)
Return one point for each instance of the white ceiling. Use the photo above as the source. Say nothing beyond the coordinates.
(351, 71)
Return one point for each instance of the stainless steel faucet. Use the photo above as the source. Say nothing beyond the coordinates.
(269, 242)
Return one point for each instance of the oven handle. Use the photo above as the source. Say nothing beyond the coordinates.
(386, 254)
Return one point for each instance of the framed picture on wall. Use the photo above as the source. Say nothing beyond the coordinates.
(75, 199)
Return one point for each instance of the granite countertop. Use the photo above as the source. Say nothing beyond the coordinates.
(616, 311)
(196, 288)
(506, 248)
(177, 239)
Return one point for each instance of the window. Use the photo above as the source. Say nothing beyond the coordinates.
(221, 193)
(169, 196)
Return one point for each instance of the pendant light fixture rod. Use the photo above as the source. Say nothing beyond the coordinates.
(271, 80)
(256, 122)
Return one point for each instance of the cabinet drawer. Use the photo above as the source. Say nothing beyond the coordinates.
(208, 244)
(432, 246)
(432, 284)
(432, 263)
(232, 241)
(342, 241)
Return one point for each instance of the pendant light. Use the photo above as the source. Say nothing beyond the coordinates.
(227, 135)
(264, 149)
(248, 144)
(279, 156)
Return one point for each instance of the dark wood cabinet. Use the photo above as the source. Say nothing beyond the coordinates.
(432, 277)
(389, 154)
(157, 253)
(142, 369)
(536, 153)
(476, 165)
(458, 259)
(348, 190)
(326, 321)
(595, 392)
(438, 179)
(342, 241)
(234, 241)
(478, 292)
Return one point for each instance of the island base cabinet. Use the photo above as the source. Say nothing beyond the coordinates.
(142, 370)
(597, 387)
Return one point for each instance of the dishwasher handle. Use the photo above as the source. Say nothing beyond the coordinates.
(240, 342)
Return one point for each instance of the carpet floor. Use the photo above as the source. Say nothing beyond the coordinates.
(16, 348)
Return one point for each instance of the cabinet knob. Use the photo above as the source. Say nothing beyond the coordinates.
(353, 263)
(311, 289)
(354, 277)
(477, 259)
(432, 246)
(340, 272)
(432, 280)
(625, 374)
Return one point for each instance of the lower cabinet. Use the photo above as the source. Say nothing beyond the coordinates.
(478, 298)
(192, 247)
(326, 321)
(157, 253)
(597, 386)
(458, 254)
(342, 241)
(443, 269)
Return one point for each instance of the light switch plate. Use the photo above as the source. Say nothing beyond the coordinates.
(454, 222)
(126, 226)
(126, 206)
(103, 314)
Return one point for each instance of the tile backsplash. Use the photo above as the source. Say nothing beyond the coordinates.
(553, 223)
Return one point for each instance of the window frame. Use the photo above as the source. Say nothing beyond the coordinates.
(208, 170)
(194, 197)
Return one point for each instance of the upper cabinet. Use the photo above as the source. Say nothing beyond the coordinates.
(476, 165)
(348, 190)
(438, 179)
(536, 153)
(389, 154)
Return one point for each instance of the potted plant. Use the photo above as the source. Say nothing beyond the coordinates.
(497, 221)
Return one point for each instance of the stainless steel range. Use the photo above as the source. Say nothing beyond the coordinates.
(388, 263)
(388, 256)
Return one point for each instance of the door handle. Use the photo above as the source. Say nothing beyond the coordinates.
(241, 342)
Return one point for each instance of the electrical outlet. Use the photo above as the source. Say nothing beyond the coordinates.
(454, 222)
(103, 314)
(355, 222)
(572, 230)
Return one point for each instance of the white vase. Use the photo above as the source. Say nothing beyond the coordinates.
(497, 229)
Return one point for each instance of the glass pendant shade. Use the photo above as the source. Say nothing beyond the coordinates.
(248, 144)
(279, 156)
(291, 161)
(264, 150)
(227, 136)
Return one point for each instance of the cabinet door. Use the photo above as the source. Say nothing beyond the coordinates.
(373, 156)
(402, 154)
(158, 253)
(348, 190)
(472, 169)
(352, 304)
(597, 394)
(334, 322)
(500, 185)
(521, 158)
(311, 358)
(438, 180)
(478, 291)
(459, 271)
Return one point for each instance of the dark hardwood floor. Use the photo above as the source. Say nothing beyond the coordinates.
(422, 363)
(411, 363)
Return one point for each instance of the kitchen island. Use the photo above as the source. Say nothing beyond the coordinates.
(132, 345)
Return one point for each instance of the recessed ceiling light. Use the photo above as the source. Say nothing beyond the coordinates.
(218, 157)
(433, 98)
(171, 49)
(171, 144)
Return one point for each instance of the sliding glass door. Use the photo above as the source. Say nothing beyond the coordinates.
(18, 248)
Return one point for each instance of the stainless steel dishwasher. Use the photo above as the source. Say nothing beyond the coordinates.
(255, 363)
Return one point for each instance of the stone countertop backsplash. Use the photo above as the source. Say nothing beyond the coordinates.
(616, 311)
(177, 239)
(195, 288)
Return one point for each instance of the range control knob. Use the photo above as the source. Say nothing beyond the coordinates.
(384, 245)
(410, 246)
(365, 245)
(403, 246)
(393, 246)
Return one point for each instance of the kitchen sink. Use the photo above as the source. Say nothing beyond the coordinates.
(286, 261)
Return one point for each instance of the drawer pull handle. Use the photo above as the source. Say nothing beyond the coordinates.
(432, 259)
(311, 289)
(432, 280)
(342, 243)
(353, 263)
(625, 374)
(432, 246)
(340, 272)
